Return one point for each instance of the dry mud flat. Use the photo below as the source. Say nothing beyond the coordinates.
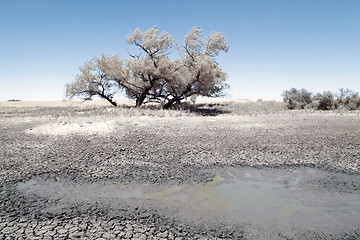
(284, 175)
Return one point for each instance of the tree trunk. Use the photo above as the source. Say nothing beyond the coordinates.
(109, 100)
(140, 100)
(171, 102)
(113, 103)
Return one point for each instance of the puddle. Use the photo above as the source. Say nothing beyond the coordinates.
(25, 185)
(281, 192)
(239, 194)
(245, 193)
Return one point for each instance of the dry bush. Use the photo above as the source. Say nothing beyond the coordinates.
(348, 99)
(325, 100)
(297, 99)
(302, 99)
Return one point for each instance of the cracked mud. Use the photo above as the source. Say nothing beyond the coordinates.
(280, 175)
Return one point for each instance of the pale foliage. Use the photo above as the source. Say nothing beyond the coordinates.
(199, 74)
(97, 78)
(155, 77)
(151, 42)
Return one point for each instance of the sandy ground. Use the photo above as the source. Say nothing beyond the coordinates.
(76, 153)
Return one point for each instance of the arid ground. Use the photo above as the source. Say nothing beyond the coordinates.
(228, 170)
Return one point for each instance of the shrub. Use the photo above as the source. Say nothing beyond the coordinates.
(326, 100)
(348, 99)
(302, 99)
(297, 99)
(354, 103)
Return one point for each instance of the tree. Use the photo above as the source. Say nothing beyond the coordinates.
(151, 76)
(148, 74)
(197, 71)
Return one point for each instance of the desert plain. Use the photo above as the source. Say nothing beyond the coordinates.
(216, 170)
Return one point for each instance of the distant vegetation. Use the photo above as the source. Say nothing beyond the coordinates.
(13, 100)
(303, 99)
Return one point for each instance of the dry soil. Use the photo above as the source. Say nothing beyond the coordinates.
(93, 160)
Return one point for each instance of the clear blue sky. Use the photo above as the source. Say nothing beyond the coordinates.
(275, 45)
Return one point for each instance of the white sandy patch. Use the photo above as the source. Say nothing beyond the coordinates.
(65, 128)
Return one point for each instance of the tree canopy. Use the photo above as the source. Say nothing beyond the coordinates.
(151, 75)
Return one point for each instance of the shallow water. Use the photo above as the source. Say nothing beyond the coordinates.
(243, 193)
(252, 191)
(25, 185)
(281, 192)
